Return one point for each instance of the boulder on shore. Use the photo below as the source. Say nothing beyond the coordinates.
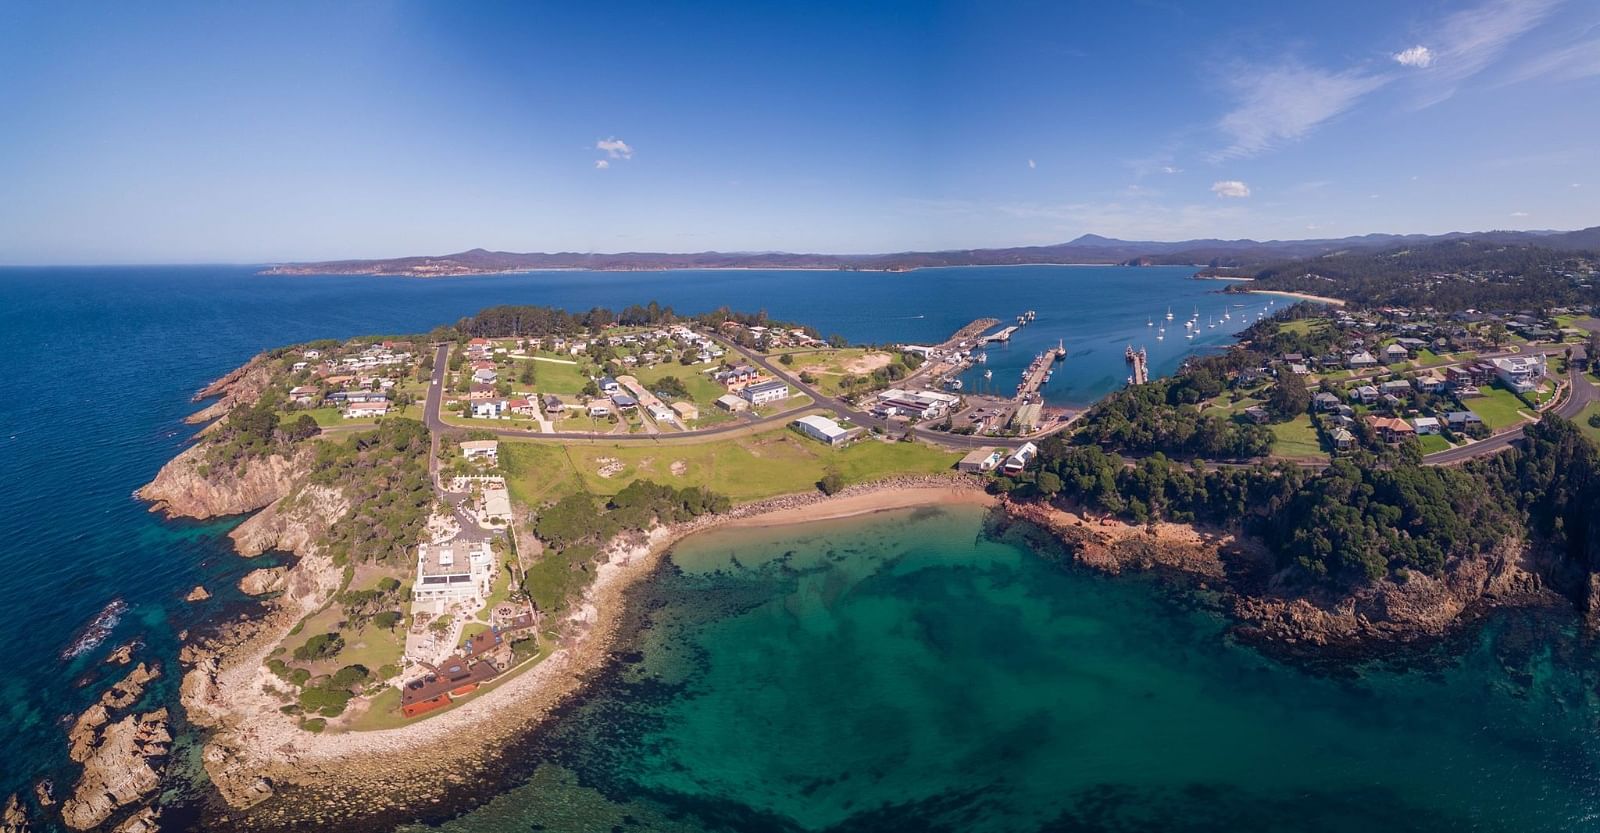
(264, 580)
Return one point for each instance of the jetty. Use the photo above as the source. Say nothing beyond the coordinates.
(1002, 336)
(1141, 365)
(1035, 376)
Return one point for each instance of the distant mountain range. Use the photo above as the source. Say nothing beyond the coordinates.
(1090, 248)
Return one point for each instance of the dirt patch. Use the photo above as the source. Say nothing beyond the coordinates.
(679, 468)
(609, 466)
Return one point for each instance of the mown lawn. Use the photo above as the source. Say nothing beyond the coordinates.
(1582, 421)
(553, 375)
(1304, 326)
(1432, 443)
(748, 468)
(1498, 407)
(1296, 439)
(703, 391)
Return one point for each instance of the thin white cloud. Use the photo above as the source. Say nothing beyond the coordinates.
(1282, 104)
(1171, 169)
(1569, 63)
(1416, 56)
(1031, 164)
(1519, 213)
(1467, 41)
(615, 148)
(601, 164)
(1230, 188)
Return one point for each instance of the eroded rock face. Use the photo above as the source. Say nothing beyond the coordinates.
(143, 821)
(188, 486)
(238, 783)
(198, 594)
(243, 386)
(84, 735)
(263, 581)
(293, 524)
(120, 770)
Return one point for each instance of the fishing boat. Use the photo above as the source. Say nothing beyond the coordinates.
(1061, 349)
(954, 384)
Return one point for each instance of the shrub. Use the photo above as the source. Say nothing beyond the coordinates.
(321, 646)
(831, 483)
(314, 725)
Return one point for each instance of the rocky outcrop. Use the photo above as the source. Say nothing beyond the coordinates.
(243, 386)
(1269, 609)
(14, 819)
(85, 731)
(121, 769)
(292, 525)
(1395, 611)
(188, 486)
(240, 783)
(198, 594)
(143, 821)
(263, 581)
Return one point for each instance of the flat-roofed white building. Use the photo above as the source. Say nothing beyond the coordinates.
(822, 429)
(453, 574)
(981, 460)
(761, 393)
(496, 504)
(480, 449)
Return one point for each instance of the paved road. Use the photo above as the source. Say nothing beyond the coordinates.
(1581, 393)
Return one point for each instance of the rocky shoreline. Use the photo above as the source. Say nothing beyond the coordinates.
(1287, 620)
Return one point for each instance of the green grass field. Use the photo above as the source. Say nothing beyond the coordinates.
(702, 390)
(1582, 421)
(553, 376)
(774, 462)
(1296, 439)
(1432, 443)
(1498, 407)
(1304, 326)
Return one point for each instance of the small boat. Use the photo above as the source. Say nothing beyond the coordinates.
(988, 374)
(982, 358)
(1061, 349)
(954, 384)
(1150, 322)
(1169, 313)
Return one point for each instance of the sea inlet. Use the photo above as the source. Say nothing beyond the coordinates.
(911, 671)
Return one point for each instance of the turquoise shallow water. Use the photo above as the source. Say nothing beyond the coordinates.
(906, 672)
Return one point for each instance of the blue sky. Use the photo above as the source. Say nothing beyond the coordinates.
(288, 131)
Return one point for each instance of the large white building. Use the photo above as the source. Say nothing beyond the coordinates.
(1521, 373)
(822, 429)
(455, 573)
(761, 393)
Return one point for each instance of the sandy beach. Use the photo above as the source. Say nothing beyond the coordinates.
(1303, 296)
(390, 769)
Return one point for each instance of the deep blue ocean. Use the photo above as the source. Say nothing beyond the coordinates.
(104, 361)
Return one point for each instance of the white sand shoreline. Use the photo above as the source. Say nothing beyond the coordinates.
(262, 742)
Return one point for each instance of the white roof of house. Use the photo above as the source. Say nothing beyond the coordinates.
(822, 425)
(480, 445)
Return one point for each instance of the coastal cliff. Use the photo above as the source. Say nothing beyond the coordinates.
(189, 486)
(1270, 612)
(242, 386)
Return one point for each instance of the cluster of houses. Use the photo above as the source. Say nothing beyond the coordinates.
(747, 387)
(768, 339)
(480, 658)
(358, 382)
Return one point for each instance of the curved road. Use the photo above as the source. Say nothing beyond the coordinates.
(1581, 392)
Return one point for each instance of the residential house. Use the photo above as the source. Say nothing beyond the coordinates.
(523, 407)
(729, 402)
(1020, 458)
(1391, 429)
(485, 377)
(1360, 359)
(489, 409)
(303, 394)
(1395, 353)
(1257, 414)
(1425, 425)
(1325, 401)
(367, 409)
(1366, 394)
(1395, 387)
(761, 393)
(624, 402)
(609, 386)
(686, 411)
(480, 450)
(1520, 373)
(553, 404)
(1342, 438)
(454, 572)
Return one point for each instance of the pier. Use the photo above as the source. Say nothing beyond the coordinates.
(1002, 336)
(1141, 365)
(1035, 376)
